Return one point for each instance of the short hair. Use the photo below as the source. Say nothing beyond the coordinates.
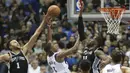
(85, 65)
(8, 44)
(47, 47)
(116, 56)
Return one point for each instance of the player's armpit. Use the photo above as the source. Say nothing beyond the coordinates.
(99, 53)
(5, 57)
(102, 56)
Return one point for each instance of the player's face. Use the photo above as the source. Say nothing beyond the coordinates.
(55, 46)
(14, 44)
(91, 44)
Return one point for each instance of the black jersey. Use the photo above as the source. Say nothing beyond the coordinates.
(18, 63)
(95, 61)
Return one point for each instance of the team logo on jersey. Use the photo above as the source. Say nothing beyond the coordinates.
(17, 58)
(13, 59)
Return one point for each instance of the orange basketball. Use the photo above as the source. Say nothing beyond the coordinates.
(53, 10)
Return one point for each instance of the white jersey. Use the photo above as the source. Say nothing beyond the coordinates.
(56, 66)
(112, 68)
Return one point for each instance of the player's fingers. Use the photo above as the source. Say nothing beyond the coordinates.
(49, 21)
(82, 3)
(46, 15)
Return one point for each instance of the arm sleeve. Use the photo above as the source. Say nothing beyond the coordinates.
(81, 29)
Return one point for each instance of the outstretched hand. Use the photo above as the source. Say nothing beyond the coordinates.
(49, 24)
(46, 18)
(81, 8)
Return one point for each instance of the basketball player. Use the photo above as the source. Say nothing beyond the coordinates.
(18, 62)
(85, 66)
(115, 66)
(92, 50)
(56, 59)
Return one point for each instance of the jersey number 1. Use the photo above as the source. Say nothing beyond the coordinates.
(18, 66)
(54, 69)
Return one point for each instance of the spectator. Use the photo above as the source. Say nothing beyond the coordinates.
(60, 35)
(42, 59)
(34, 68)
(43, 69)
(46, 5)
(72, 60)
(105, 49)
(96, 4)
(38, 47)
(74, 69)
(43, 39)
(128, 34)
(74, 29)
(67, 29)
(71, 42)
(126, 61)
(61, 3)
(12, 34)
(0, 41)
(85, 66)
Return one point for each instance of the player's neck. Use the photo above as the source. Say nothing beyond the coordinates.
(16, 51)
(50, 53)
(115, 63)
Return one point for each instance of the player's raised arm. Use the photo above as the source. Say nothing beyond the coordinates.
(61, 55)
(33, 39)
(128, 70)
(80, 24)
(49, 32)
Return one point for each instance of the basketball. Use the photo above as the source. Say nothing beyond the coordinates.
(53, 11)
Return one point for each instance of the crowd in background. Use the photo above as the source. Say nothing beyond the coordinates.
(20, 18)
(92, 6)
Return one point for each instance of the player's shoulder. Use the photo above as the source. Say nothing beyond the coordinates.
(105, 68)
